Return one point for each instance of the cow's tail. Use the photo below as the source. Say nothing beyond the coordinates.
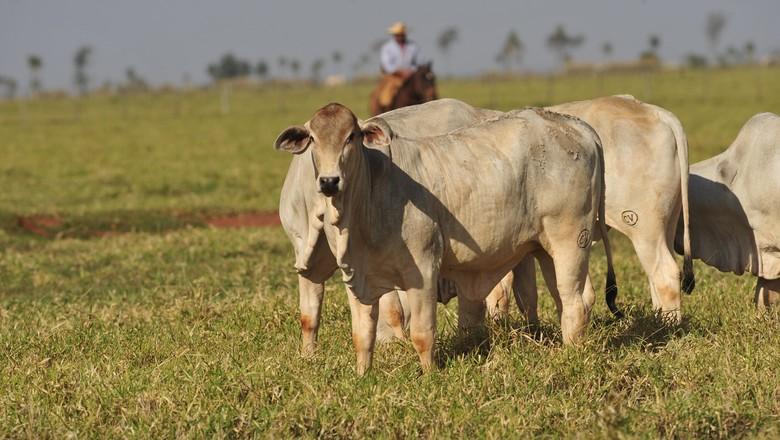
(611, 289)
(688, 281)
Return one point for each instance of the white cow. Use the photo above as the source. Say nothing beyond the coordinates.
(301, 206)
(466, 206)
(646, 171)
(735, 207)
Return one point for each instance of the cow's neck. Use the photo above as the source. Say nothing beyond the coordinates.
(349, 214)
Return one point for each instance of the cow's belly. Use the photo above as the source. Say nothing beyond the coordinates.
(488, 245)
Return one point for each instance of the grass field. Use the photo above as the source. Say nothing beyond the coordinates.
(172, 328)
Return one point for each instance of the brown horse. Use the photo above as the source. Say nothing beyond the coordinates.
(420, 87)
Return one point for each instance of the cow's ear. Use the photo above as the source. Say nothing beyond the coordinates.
(293, 140)
(376, 134)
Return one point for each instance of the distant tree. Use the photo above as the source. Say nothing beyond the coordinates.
(444, 42)
(316, 70)
(655, 43)
(651, 54)
(9, 86)
(731, 56)
(511, 53)
(607, 49)
(81, 61)
(228, 67)
(750, 52)
(363, 60)
(336, 58)
(716, 22)
(34, 62)
(562, 43)
(262, 70)
(282, 62)
(696, 61)
(376, 45)
(295, 67)
(134, 81)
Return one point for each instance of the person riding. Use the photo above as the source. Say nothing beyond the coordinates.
(399, 60)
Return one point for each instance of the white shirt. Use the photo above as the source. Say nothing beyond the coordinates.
(393, 57)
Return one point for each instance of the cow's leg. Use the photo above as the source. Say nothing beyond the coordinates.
(548, 273)
(422, 326)
(524, 287)
(364, 317)
(310, 299)
(569, 273)
(664, 275)
(391, 318)
(471, 313)
(403, 299)
(767, 294)
(498, 300)
(588, 295)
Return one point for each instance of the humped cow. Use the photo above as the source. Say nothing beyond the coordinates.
(735, 207)
(466, 206)
(646, 171)
(301, 207)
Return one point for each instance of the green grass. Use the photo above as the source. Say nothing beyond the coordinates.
(174, 329)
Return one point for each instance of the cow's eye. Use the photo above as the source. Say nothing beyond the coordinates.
(349, 138)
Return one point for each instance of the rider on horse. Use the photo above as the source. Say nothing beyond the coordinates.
(399, 60)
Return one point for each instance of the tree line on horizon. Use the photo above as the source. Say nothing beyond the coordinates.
(509, 58)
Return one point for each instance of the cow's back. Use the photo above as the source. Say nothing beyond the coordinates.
(434, 118)
(498, 179)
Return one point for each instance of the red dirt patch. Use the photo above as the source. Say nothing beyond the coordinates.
(50, 226)
(42, 225)
(245, 220)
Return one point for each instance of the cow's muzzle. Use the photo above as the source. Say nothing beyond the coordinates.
(329, 186)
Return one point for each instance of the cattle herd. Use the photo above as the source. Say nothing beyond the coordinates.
(443, 199)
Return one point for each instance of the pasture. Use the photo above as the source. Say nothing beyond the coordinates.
(124, 313)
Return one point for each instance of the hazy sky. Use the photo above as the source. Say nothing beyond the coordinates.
(164, 40)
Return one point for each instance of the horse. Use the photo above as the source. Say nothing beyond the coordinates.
(420, 87)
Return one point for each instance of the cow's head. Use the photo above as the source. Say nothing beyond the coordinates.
(336, 139)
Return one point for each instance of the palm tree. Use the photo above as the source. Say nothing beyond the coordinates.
(446, 39)
(34, 62)
(9, 84)
(607, 50)
(316, 69)
(336, 58)
(295, 67)
(511, 53)
(282, 63)
(650, 55)
(750, 52)
(562, 43)
(81, 61)
(655, 43)
(262, 69)
(134, 81)
(716, 22)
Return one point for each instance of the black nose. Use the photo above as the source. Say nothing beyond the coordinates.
(329, 185)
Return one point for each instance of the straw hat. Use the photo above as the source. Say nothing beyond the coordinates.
(399, 27)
